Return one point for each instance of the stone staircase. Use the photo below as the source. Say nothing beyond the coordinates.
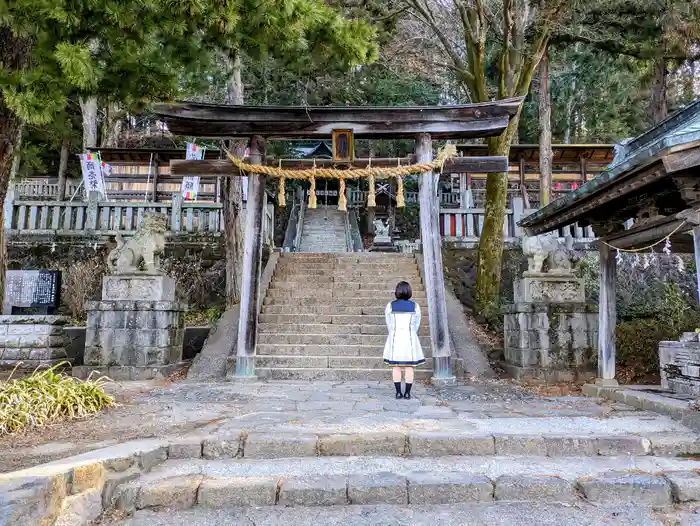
(323, 316)
(323, 231)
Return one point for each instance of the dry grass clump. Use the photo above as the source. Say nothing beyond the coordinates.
(46, 397)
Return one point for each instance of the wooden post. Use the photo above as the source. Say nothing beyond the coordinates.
(607, 318)
(252, 266)
(154, 193)
(432, 263)
(176, 213)
(523, 186)
(584, 175)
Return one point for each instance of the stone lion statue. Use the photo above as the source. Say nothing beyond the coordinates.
(548, 248)
(380, 229)
(146, 246)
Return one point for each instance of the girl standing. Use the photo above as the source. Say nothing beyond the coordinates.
(402, 349)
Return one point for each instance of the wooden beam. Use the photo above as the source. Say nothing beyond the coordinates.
(432, 265)
(224, 167)
(252, 267)
(682, 160)
(607, 317)
(311, 122)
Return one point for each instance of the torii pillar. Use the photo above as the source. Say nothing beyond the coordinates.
(432, 265)
(252, 266)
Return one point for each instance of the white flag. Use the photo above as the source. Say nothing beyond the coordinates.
(190, 188)
(194, 152)
(92, 174)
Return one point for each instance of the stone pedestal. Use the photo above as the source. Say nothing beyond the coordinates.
(679, 364)
(136, 331)
(550, 333)
(32, 341)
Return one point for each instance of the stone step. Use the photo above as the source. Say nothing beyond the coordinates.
(330, 309)
(337, 319)
(292, 301)
(334, 375)
(267, 338)
(300, 283)
(327, 328)
(221, 480)
(357, 256)
(498, 513)
(321, 350)
(358, 276)
(321, 362)
(323, 293)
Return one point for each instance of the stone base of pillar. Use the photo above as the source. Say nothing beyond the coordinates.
(444, 381)
(144, 337)
(550, 333)
(241, 368)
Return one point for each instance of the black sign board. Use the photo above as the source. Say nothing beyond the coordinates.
(38, 291)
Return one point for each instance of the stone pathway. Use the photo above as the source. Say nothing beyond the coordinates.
(317, 446)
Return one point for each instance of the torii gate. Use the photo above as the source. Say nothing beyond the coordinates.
(423, 123)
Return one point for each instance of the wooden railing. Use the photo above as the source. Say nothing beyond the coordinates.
(463, 226)
(106, 218)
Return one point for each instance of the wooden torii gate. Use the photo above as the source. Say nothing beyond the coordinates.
(422, 123)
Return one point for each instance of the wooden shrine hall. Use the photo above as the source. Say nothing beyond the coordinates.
(648, 200)
(342, 125)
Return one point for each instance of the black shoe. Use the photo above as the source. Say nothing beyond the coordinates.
(399, 396)
(407, 396)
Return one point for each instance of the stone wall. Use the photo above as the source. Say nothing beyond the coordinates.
(679, 363)
(33, 341)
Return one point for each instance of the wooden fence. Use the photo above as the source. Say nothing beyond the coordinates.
(106, 218)
(463, 226)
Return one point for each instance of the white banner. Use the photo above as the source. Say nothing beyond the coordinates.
(92, 173)
(194, 152)
(190, 188)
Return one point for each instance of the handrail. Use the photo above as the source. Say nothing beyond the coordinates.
(356, 238)
(300, 222)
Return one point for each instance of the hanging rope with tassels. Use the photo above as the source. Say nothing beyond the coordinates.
(450, 150)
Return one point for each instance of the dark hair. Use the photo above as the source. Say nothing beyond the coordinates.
(403, 291)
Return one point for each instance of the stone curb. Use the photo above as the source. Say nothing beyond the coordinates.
(677, 409)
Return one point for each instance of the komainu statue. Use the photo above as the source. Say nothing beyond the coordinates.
(550, 249)
(145, 247)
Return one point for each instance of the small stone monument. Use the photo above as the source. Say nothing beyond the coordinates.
(550, 332)
(137, 330)
(679, 364)
(381, 232)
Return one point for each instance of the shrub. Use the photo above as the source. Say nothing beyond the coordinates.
(81, 282)
(47, 396)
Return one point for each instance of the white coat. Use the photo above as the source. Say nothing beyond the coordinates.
(402, 347)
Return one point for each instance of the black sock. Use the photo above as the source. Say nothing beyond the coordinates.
(408, 389)
(398, 387)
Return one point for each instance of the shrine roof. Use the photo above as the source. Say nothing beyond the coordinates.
(317, 122)
(638, 168)
(561, 153)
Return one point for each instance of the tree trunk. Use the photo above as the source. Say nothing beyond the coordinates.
(14, 55)
(233, 201)
(88, 107)
(63, 167)
(658, 109)
(112, 126)
(545, 118)
(490, 255)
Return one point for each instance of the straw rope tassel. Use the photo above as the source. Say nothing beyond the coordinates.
(342, 200)
(400, 200)
(281, 197)
(312, 190)
(371, 196)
